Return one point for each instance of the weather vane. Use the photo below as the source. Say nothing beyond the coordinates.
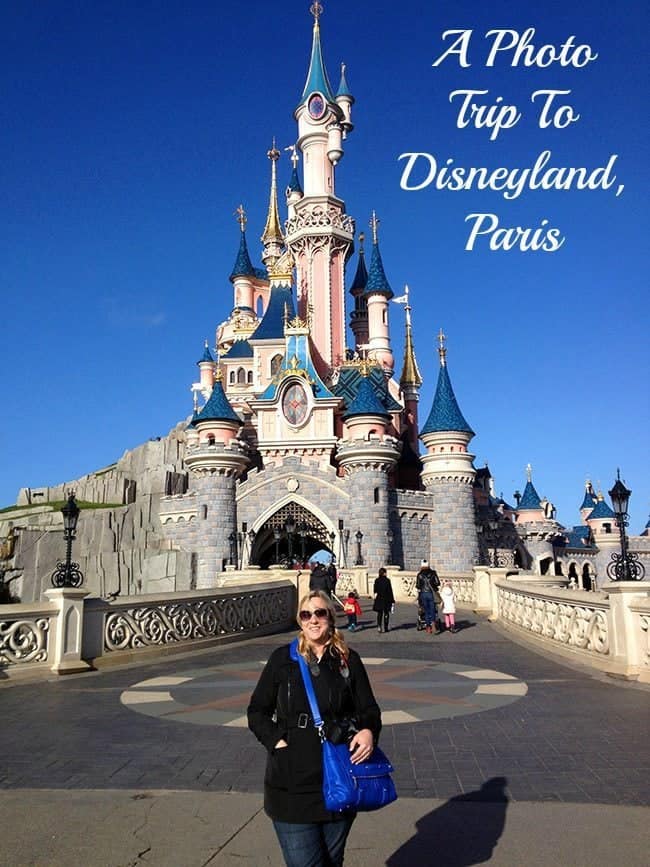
(442, 351)
(241, 217)
(316, 10)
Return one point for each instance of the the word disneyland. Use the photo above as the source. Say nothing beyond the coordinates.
(477, 109)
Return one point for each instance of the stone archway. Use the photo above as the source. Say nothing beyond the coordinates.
(290, 536)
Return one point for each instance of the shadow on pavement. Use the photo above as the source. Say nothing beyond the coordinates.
(464, 831)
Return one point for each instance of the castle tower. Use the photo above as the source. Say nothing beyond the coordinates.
(367, 456)
(359, 315)
(207, 368)
(242, 273)
(606, 534)
(378, 293)
(215, 458)
(589, 501)
(537, 527)
(320, 234)
(448, 473)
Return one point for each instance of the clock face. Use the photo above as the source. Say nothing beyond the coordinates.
(316, 106)
(295, 405)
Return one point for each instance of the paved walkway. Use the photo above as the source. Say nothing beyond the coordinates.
(501, 755)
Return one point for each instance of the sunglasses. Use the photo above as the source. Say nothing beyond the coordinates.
(320, 613)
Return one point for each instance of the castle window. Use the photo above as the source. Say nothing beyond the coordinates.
(211, 439)
(204, 512)
(249, 377)
(232, 377)
(376, 495)
(276, 364)
(607, 528)
(259, 307)
(241, 376)
(383, 316)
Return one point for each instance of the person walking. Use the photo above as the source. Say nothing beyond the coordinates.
(352, 608)
(320, 579)
(427, 584)
(384, 600)
(279, 716)
(449, 606)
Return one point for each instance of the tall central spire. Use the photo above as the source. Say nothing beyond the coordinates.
(272, 237)
(317, 79)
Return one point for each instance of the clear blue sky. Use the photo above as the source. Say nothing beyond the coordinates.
(132, 130)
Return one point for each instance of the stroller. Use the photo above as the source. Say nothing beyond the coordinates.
(421, 623)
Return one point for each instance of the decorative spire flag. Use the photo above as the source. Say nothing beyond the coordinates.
(403, 299)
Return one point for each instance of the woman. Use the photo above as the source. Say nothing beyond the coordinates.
(384, 600)
(279, 716)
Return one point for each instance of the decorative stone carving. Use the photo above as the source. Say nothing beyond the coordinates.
(24, 641)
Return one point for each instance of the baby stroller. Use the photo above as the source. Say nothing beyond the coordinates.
(421, 624)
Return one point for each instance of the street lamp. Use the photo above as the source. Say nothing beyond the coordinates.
(624, 566)
(68, 574)
(276, 535)
(359, 536)
(290, 527)
(390, 536)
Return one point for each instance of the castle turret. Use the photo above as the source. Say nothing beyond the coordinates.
(294, 191)
(319, 233)
(216, 458)
(206, 367)
(448, 473)
(359, 315)
(589, 501)
(378, 294)
(345, 101)
(368, 456)
(242, 273)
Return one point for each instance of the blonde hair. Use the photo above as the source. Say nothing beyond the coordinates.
(336, 641)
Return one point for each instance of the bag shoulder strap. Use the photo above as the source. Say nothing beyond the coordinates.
(309, 686)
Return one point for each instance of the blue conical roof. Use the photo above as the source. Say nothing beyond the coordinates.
(294, 182)
(317, 79)
(365, 402)
(445, 413)
(217, 408)
(530, 498)
(601, 510)
(206, 355)
(377, 281)
(343, 90)
(280, 305)
(243, 266)
(361, 275)
(590, 498)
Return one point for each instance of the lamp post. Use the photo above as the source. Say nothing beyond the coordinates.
(359, 537)
(302, 533)
(68, 574)
(390, 536)
(346, 541)
(276, 535)
(290, 527)
(624, 566)
(232, 539)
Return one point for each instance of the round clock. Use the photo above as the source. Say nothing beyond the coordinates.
(295, 405)
(316, 106)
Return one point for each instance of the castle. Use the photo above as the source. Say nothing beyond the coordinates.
(304, 439)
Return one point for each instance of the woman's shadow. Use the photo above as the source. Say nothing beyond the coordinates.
(466, 829)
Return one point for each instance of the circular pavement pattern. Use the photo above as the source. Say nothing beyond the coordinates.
(407, 690)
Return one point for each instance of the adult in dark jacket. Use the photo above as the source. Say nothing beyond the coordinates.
(280, 718)
(384, 600)
(427, 584)
(320, 579)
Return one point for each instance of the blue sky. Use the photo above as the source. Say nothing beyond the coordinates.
(131, 132)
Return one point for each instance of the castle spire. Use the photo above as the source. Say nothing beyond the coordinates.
(317, 80)
(445, 413)
(410, 373)
(243, 266)
(272, 237)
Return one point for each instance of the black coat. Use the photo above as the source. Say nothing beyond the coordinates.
(294, 780)
(383, 591)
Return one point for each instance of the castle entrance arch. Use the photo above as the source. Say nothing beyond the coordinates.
(290, 537)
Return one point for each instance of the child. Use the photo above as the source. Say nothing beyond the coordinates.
(449, 606)
(352, 609)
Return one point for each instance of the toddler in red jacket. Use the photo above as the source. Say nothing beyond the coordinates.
(352, 609)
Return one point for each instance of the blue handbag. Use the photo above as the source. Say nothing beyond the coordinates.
(360, 787)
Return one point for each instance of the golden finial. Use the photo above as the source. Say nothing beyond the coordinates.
(316, 10)
(364, 366)
(241, 217)
(374, 225)
(442, 350)
(274, 153)
(529, 473)
(218, 374)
